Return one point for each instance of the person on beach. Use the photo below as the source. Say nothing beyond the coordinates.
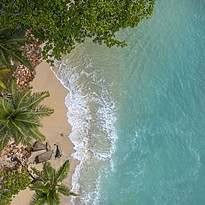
(58, 151)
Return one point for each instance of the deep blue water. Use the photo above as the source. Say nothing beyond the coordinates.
(138, 113)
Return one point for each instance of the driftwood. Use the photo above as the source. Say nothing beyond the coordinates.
(37, 146)
(43, 157)
(19, 162)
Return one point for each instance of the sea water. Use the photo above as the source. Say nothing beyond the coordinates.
(138, 113)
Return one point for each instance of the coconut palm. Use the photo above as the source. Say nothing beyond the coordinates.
(11, 42)
(2, 72)
(48, 184)
(20, 115)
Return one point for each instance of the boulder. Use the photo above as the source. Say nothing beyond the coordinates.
(37, 146)
(43, 157)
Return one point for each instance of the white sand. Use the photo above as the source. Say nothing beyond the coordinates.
(55, 127)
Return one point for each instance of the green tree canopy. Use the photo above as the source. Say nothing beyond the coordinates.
(61, 24)
(20, 116)
(11, 182)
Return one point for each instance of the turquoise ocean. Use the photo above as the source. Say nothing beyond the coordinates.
(138, 113)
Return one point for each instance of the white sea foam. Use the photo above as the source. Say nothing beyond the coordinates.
(91, 113)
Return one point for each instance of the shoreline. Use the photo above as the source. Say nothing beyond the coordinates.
(55, 127)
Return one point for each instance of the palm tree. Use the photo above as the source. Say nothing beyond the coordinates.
(2, 72)
(48, 184)
(11, 42)
(20, 115)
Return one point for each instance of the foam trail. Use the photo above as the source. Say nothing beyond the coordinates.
(91, 113)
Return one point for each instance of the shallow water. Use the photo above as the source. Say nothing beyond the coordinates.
(138, 112)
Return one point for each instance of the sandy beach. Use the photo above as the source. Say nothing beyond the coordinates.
(55, 127)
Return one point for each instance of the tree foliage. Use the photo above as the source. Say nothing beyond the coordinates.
(11, 182)
(20, 115)
(3, 71)
(62, 24)
(49, 185)
(11, 42)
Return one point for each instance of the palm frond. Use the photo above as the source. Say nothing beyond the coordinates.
(2, 85)
(4, 139)
(64, 190)
(63, 171)
(21, 97)
(28, 121)
(37, 134)
(20, 40)
(11, 42)
(4, 70)
(17, 55)
(42, 111)
(3, 30)
(20, 130)
(36, 98)
(32, 107)
(5, 106)
(53, 198)
(38, 199)
(4, 59)
(49, 172)
(40, 187)
(39, 174)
